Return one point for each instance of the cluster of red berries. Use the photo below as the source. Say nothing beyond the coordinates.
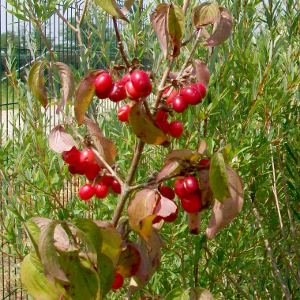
(133, 85)
(83, 163)
(190, 95)
(174, 128)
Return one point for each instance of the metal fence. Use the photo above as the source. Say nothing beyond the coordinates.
(14, 44)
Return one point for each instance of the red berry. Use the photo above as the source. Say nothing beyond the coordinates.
(140, 80)
(92, 171)
(119, 280)
(86, 157)
(191, 203)
(205, 162)
(103, 84)
(171, 96)
(132, 93)
(71, 156)
(73, 170)
(123, 113)
(191, 184)
(161, 115)
(167, 192)
(192, 95)
(164, 126)
(118, 92)
(175, 129)
(101, 190)
(179, 104)
(180, 189)
(86, 192)
(107, 180)
(202, 89)
(116, 187)
(147, 92)
(126, 78)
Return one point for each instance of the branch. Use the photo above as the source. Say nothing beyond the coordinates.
(65, 20)
(120, 43)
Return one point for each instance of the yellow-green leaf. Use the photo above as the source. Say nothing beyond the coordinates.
(218, 178)
(176, 27)
(144, 127)
(36, 82)
(84, 94)
(34, 280)
(112, 8)
(206, 13)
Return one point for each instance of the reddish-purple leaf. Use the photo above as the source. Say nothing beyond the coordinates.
(222, 31)
(206, 192)
(159, 24)
(165, 207)
(60, 140)
(170, 167)
(184, 154)
(106, 148)
(127, 6)
(142, 271)
(223, 214)
(202, 73)
(152, 254)
(84, 94)
(67, 81)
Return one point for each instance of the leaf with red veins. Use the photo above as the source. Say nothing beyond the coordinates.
(202, 73)
(60, 140)
(223, 214)
(222, 31)
(129, 261)
(84, 94)
(170, 167)
(159, 24)
(140, 212)
(165, 208)
(152, 255)
(106, 148)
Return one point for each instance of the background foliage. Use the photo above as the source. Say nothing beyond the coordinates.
(253, 103)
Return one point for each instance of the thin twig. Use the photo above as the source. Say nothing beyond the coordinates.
(83, 14)
(65, 20)
(185, 6)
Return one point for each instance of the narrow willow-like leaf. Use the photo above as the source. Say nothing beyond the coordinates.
(176, 22)
(222, 31)
(36, 82)
(218, 178)
(112, 8)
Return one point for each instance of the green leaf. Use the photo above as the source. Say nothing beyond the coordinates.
(205, 14)
(226, 151)
(175, 294)
(36, 82)
(197, 293)
(84, 94)
(82, 278)
(112, 8)
(176, 23)
(106, 273)
(34, 280)
(218, 178)
(33, 232)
